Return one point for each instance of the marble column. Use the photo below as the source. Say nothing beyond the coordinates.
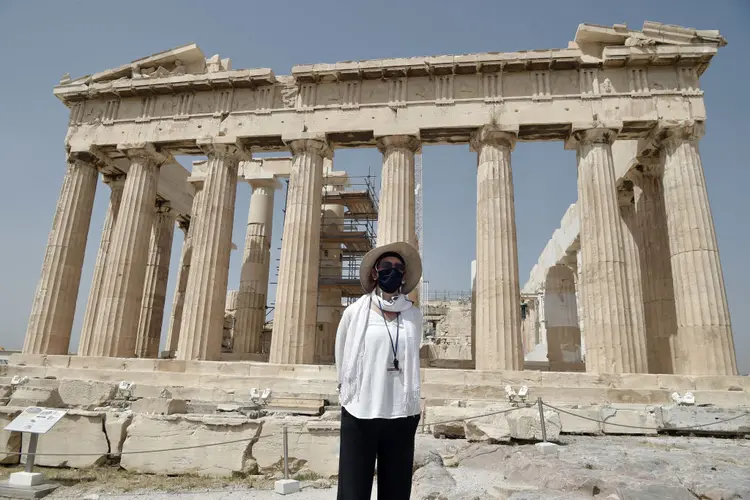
(579, 303)
(178, 301)
(498, 296)
(293, 339)
(656, 276)
(205, 297)
(610, 346)
(631, 238)
(51, 319)
(561, 315)
(155, 287)
(256, 262)
(116, 327)
(703, 326)
(116, 184)
(396, 210)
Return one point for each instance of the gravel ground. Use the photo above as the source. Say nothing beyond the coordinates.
(605, 467)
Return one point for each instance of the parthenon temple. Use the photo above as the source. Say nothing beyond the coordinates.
(630, 283)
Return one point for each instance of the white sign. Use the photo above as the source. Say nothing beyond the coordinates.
(36, 420)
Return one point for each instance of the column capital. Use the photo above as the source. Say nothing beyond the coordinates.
(587, 133)
(310, 145)
(268, 182)
(625, 193)
(389, 142)
(224, 149)
(183, 224)
(495, 135)
(164, 207)
(683, 130)
(144, 151)
(115, 180)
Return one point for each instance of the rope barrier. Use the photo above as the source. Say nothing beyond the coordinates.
(455, 420)
(692, 427)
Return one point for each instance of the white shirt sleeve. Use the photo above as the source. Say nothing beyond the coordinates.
(341, 332)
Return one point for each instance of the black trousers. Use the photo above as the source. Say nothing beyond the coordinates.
(362, 440)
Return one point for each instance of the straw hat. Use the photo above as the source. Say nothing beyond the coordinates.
(411, 260)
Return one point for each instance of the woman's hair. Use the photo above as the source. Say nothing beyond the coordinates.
(389, 254)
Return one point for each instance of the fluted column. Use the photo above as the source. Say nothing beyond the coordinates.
(656, 276)
(561, 315)
(703, 326)
(205, 297)
(116, 184)
(178, 301)
(293, 339)
(51, 319)
(498, 296)
(256, 261)
(155, 286)
(396, 216)
(631, 238)
(116, 327)
(609, 324)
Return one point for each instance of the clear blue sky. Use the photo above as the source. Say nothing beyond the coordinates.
(43, 40)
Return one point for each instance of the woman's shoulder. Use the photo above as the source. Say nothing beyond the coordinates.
(413, 313)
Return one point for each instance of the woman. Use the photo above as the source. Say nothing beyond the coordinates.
(377, 360)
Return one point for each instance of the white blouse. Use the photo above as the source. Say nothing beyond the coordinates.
(382, 390)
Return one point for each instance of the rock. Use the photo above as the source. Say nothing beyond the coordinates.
(629, 421)
(116, 425)
(677, 417)
(432, 482)
(655, 492)
(331, 416)
(447, 421)
(171, 431)
(159, 406)
(322, 483)
(525, 424)
(26, 396)
(423, 457)
(5, 391)
(575, 425)
(86, 394)
(200, 407)
(314, 444)
(79, 431)
(10, 442)
(491, 429)
(506, 490)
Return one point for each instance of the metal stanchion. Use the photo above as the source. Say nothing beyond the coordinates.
(541, 419)
(286, 486)
(31, 454)
(286, 452)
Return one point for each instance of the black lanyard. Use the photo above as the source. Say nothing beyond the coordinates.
(394, 347)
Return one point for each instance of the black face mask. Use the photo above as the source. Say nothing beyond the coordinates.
(389, 280)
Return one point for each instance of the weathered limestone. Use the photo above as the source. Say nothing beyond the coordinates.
(630, 237)
(525, 424)
(54, 304)
(609, 326)
(656, 276)
(116, 184)
(703, 326)
(293, 339)
(155, 286)
(125, 269)
(79, 430)
(316, 444)
(256, 261)
(157, 432)
(203, 312)
(396, 207)
(498, 299)
(178, 302)
(561, 317)
(86, 394)
(10, 442)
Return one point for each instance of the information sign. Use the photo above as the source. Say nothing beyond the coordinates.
(36, 420)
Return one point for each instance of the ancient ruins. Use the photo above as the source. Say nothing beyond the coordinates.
(625, 311)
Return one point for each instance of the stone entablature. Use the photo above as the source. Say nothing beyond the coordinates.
(541, 93)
